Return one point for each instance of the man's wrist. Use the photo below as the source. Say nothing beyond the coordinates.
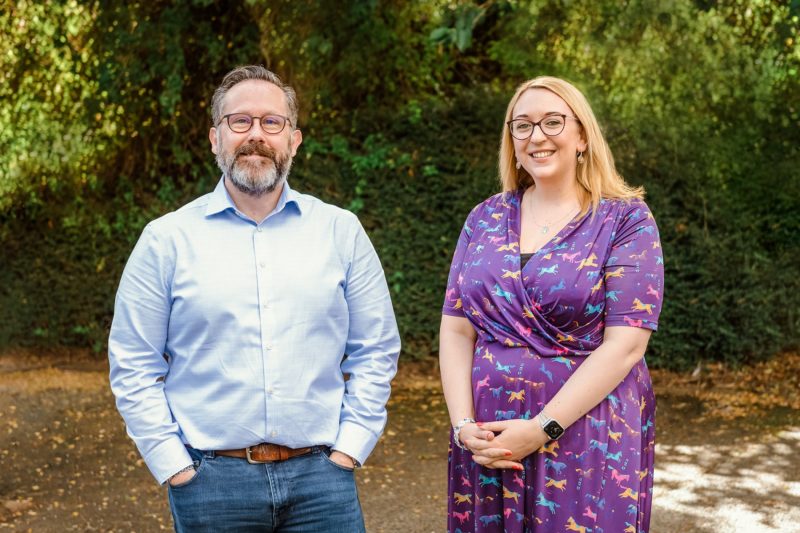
(190, 468)
(356, 464)
(355, 441)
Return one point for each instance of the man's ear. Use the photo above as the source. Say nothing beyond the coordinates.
(212, 136)
(295, 141)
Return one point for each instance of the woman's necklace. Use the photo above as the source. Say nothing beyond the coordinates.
(545, 228)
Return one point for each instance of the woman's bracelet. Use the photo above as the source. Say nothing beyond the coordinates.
(457, 431)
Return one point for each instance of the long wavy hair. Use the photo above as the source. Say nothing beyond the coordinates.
(597, 176)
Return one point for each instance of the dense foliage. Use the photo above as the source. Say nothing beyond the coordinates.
(103, 123)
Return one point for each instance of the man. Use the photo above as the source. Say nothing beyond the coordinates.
(236, 321)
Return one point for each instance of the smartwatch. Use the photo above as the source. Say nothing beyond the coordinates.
(553, 429)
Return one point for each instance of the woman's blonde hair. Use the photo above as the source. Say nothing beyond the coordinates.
(597, 175)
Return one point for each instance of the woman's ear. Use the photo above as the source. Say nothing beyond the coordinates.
(582, 143)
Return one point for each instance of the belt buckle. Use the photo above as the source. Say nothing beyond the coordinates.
(247, 453)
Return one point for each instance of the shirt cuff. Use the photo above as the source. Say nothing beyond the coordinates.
(355, 441)
(167, 459)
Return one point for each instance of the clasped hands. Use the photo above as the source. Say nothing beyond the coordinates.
(504, 443)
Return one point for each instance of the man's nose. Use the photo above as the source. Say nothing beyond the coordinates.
(256, 133)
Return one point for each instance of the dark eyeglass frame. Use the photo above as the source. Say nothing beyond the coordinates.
(253, 120)
(534, 124)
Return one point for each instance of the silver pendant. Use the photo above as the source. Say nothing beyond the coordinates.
(545, 229)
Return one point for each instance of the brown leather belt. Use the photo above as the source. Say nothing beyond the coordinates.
(265, 453)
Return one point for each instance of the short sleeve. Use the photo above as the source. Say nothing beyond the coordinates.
(634, 271)
(452, 298)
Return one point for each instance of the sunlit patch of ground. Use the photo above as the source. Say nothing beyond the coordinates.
(746, 487)
(728, 452)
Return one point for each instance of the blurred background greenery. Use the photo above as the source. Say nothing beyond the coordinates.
(104, 113)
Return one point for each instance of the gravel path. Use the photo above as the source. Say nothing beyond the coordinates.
(68, 465)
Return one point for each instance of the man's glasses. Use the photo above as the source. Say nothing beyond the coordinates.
(551, 125)
(242, 122)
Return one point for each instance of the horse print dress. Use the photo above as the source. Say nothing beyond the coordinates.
(536, 323)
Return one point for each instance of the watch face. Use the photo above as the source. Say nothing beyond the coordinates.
(553, 430)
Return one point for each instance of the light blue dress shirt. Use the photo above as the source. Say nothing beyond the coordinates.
(228, 333)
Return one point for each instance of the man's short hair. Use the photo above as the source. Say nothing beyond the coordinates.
(252, 72)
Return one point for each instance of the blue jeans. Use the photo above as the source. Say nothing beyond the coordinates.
(309, 493)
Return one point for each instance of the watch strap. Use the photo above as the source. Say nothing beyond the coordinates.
(544, 419)
(552, 428)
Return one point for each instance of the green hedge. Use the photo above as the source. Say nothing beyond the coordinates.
(401, 113)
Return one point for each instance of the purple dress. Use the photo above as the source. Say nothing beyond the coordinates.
(535, 326)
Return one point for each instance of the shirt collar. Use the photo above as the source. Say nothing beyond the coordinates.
(219, 200)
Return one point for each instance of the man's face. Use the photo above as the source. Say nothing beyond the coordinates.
(255, 162)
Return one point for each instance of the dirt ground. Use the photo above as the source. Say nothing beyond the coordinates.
(728, 452)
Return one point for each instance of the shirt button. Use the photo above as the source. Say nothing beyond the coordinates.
(274, 433)
(262, 264)
(258, 230)
(267, 346)
(270, 391)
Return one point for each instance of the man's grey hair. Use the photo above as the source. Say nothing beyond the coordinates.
(252, 72)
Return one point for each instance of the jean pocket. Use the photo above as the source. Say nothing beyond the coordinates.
(199, 467)
(326, 456)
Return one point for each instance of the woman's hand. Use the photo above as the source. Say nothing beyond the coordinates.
(481, 443)
(472, 432)
(511, 441)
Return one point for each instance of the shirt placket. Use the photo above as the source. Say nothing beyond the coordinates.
(263, 282)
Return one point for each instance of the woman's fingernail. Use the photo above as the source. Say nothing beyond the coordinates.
(508, 453)
(479, 424)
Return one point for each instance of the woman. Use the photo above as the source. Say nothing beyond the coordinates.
(554, 289)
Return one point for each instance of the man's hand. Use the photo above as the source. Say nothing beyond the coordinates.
(343, 460)
(183, 476)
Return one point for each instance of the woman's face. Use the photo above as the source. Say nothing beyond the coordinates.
(548, 157)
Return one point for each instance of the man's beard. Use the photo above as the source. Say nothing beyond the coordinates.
(255, 178)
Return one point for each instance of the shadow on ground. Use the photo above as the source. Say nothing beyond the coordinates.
(68, 465)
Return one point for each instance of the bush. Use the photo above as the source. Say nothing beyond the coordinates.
(401, 108)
